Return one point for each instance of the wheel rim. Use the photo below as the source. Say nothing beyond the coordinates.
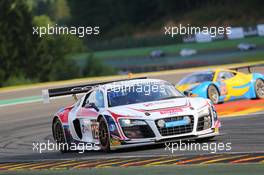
(260, 88)
(103, 134)
(213, 95)
(58, 133)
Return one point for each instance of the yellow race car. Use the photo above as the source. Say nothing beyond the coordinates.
(222, 85)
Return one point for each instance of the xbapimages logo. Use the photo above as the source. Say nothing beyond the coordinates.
(193, 30)
(212, 147)
(146, 88)
(60, 30)
(50, 146)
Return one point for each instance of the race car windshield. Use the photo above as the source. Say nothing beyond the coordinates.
(197, 78)
(141, 93)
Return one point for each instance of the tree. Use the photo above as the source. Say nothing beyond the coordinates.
(94, 67)
(26, 57)
(56, 47)
(20, 50)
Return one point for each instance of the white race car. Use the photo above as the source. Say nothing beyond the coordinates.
(246, 46)
(131, 112)
(187, 52)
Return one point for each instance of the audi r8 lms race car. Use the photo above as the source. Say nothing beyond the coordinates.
(223, 85)
(131, 112)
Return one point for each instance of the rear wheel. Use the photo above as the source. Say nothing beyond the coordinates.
(213, 94)
(259, 88)
(59, 137)
(104, 135)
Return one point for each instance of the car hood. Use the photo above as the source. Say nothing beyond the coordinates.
(186, 87)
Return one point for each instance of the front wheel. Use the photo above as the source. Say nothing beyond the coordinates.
(104, 136)
(259, 88)
(213, 94)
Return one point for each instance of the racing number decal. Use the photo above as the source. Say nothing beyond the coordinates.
(223, 89)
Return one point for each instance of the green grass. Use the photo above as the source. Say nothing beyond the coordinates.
(170, 49)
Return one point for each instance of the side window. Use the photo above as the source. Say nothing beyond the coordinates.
(97, 98)
(91, 98)
(78, 103)
(86, 100)
(225, 76)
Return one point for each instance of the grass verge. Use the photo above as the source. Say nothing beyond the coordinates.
(170, 49)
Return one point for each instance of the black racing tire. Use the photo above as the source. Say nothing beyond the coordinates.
(205, 139)
(259, 88)
(213, 94)
(104, 136)
(59, 137)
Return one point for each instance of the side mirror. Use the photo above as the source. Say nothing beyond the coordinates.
(187, 93)
(91, 105)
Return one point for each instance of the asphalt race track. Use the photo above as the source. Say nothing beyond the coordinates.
(23, 124)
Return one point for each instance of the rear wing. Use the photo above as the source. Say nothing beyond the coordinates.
(74, 90)
(247, 67)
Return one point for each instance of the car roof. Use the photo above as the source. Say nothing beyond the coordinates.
(132, 82)
(202, 72)
(210, 71)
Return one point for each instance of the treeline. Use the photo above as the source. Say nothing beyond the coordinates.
(26, 58)
(139, 23)
(124, 18)
(118, 18)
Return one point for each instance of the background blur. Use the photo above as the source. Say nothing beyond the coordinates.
(131, 37)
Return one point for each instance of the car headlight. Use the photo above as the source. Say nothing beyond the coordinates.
(204, 112)
(161, 123)
(136, 129)
(131, 122)
(204, 120)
